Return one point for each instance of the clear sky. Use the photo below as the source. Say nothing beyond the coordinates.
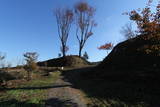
(29, 25)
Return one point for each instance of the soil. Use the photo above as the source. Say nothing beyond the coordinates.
(65, 96)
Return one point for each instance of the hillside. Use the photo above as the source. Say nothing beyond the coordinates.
(68, 61)
(134, 53)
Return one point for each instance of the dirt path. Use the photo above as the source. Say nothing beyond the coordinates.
(65, 95)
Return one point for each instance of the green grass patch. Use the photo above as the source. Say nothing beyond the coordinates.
(30, 94)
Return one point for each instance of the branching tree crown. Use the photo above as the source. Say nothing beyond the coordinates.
(31, 59)
(64, 18)
(84, 22)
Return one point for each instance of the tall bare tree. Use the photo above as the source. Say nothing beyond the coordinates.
(64, 18)
(85, 23)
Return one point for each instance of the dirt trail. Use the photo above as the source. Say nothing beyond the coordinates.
(65, 95)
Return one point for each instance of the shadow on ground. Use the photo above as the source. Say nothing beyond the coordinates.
(35, 88)
(16, 103)
(54, 102)
(130, 88)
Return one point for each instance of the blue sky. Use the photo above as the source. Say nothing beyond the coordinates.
(29, 25)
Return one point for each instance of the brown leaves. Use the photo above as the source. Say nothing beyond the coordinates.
(148, 22)
(107, 46)
(84, 7)
(90, 34)
(84, 14)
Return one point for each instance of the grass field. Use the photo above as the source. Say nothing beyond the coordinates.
(29, 94)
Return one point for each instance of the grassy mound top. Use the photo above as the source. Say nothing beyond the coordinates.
(68, 61)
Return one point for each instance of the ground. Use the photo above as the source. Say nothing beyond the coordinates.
(65, 95)
(83, 87)
(50, 91)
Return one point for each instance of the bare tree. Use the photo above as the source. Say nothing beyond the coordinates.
(31, 59)
(2, 57)
(64, 18)
(127, 31)
(85, 23)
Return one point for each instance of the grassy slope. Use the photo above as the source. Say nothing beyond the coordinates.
(116, 90)
(28, 97)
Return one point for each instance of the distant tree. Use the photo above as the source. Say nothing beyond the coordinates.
(85, 56)
(107, 46)
(64, 18)
(84, 21)
(31, 65)
(2, 57)
(9, 65)
(127, 31)
(59, 55)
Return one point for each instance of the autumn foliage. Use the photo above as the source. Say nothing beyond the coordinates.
(107, 46)
(85, 23)
(64, 18)
(148, 22)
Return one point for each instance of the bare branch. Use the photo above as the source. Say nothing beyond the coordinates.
(84, 16)
(64, 18)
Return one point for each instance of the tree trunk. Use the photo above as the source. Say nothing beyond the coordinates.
(63, 50)
(64, 54)
(28, 75)
(80, 51)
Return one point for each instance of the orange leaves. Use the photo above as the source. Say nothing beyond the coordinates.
(90, 34)
(82, 7)
(148, 22)
(107, 46)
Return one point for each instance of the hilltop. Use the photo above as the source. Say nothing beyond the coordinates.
(67, 61)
